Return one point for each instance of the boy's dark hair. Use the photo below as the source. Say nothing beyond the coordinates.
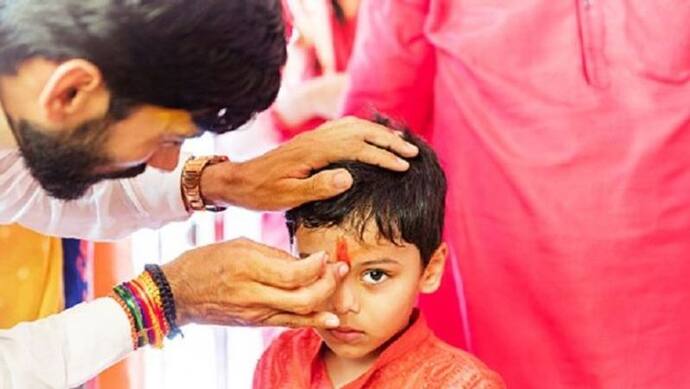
(407, 206)
(219, 59)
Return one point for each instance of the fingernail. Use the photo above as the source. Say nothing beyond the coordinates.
(403, 163)
(343, 269)
(411, 148)
(342, 180)
(332, 321)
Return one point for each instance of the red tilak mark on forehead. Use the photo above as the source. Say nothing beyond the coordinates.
(341, 251)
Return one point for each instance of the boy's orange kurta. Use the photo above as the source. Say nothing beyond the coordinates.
(417, 359)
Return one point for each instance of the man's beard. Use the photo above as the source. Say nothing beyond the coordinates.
(64, 165)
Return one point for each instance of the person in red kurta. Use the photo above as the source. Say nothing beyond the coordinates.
(315, 76)
(564, 129)
(417, 359)
(388, 228)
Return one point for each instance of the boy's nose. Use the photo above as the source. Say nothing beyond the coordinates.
(345, 298)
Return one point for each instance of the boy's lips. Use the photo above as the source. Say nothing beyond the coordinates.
(346, 334)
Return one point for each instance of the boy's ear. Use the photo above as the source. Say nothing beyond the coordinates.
(431, 278)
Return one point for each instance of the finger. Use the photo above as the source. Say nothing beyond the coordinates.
(291, 273)
(392, 141)
(322, 185)
(374, 155)
(304, 300)
(318, 320)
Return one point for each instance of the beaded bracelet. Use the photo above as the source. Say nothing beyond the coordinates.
(166, 298)
(150, 308)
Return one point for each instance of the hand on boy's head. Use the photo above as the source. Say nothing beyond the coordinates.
(241, 283)
(282, 178)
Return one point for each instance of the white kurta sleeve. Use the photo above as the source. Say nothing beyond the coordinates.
(111, 209)
(66, 349)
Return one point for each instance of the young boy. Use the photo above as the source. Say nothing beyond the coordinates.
(388, 228)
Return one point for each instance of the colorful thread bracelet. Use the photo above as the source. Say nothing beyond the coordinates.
(150, 308)
(153, 292)
(135, 311)
(150, 328)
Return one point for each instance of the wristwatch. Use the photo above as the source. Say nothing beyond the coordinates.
(191, 182)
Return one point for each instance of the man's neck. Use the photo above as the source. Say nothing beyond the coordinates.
(342, 371)
(7, 140)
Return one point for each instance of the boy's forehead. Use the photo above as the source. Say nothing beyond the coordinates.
(326, 237)
(341, 241)
(347, 246)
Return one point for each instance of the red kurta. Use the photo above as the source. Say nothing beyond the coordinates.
(343, 36)
(564, 128)
(416, 360)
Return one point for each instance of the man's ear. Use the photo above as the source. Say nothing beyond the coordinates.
(71, 92)
(433, 273)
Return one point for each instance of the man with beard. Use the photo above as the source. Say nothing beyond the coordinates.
(105, 89)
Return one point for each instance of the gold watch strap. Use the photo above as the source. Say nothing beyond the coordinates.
(191, 182)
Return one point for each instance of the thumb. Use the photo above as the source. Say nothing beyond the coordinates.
(325, 184)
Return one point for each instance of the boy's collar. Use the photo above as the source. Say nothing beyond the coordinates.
(416, 333)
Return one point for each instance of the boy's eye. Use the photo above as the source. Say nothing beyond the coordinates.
(374, 276)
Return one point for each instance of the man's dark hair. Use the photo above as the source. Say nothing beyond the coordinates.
(209, 57)
(406, 206)
(218, 59)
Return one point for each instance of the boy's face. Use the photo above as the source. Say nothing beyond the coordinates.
(375, 300)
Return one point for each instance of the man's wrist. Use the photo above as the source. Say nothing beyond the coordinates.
(177, 275)
(216, 184)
